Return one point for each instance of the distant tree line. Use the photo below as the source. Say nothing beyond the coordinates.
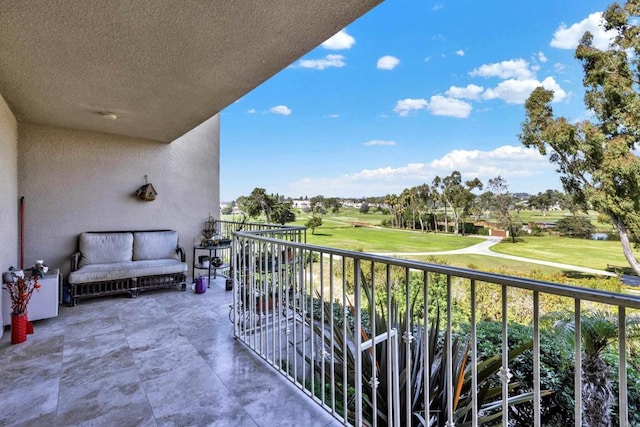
(449, 202)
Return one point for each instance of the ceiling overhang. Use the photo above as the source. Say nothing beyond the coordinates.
(151, 69)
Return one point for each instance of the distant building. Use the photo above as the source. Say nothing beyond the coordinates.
(301, 204)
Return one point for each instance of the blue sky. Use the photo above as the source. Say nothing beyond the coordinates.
(411, 90)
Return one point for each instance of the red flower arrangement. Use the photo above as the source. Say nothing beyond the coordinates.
(20, 292)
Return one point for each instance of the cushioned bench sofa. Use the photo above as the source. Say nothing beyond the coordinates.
(114, 262)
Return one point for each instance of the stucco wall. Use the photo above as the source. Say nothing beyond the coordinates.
(75, 181)
(9, 250)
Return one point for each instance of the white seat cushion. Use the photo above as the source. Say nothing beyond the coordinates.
(123, 270)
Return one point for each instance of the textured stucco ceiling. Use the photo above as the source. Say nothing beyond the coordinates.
(161, 66)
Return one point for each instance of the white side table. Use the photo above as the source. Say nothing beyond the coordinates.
(44, 302)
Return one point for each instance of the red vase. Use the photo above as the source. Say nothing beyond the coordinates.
(18, 328)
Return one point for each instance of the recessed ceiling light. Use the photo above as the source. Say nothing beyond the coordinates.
(108, 115)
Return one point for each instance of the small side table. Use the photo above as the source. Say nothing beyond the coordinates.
(212, 252)
(44, 301)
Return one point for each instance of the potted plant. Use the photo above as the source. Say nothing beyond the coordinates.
(20, 289)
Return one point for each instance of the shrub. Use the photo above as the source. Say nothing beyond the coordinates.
(575, 226)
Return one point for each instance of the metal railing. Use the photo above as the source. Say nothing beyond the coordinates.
(227, 228)
(384, 341)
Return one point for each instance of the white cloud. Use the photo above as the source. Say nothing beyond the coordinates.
(514, 68)
(460, 52)
(387, 62)
(406, 106)
(339, 41)
(333, 116)
(251, 111)
(508, 158)
(326, 62)
(378, 142)
(542, 57)
(517, 91)
(280, 109)
(470, 92)
(438, 105)
(524, 169)
(569, 37)
(442, 106)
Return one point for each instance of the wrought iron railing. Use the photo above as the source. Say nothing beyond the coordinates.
(227, 228)
(384, 341)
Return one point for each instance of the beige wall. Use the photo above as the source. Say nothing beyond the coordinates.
(75, 181)
(9, 250)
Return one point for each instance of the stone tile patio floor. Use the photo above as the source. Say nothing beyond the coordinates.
(165, 358)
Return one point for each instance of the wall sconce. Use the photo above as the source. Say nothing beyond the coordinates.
(146, 192)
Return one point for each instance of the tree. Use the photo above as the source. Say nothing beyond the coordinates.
(457, 196)
(485, 204)
(313, 223)
(332, 204)
(364, 208)
(256, 203)
(282, 213)
(544, 201)
(599, 331)
(393, 202)
(502, 204)
(575, 226)
(425, 203)
(597, 158)
(317, 203)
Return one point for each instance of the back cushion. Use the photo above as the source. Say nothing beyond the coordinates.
(103, 248)
(155, 245)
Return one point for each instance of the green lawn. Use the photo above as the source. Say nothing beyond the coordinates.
(338, 231)
(581, 252)
(488, 263)
(384, 240)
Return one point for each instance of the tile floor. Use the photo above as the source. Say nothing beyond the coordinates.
(166, 358)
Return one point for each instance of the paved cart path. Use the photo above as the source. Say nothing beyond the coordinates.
(483, 248)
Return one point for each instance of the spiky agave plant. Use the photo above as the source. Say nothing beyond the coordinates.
(412, 374)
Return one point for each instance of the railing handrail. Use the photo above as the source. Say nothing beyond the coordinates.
(594, 295)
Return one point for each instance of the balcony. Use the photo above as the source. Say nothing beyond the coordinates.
(352, 330)
(292, 350)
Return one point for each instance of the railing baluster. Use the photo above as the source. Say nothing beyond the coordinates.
(408, 338)
(321, 327)
(505, 375)
(358, 340)
(345, 307)
(332, 335)
(427, 347)
(449, 349)
(474, 357)
(311, 355)
(622, 368)
(536, 359)
(577, 387)
(373, 374)
(390, 374)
